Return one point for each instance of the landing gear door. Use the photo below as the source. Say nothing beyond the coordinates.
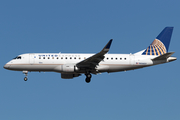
(31, 59)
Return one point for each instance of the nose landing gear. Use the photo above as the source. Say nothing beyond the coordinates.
(25, 73)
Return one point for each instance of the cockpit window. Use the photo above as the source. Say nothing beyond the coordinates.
(18, 57)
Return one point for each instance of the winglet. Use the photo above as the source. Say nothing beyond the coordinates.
(109, 44)
(107, 47)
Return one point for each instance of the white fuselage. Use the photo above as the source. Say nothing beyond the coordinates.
(54, 62)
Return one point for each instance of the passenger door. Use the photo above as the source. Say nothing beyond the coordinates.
(31, 59)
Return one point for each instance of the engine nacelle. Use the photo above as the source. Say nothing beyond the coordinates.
(69, 76)
(66, 68)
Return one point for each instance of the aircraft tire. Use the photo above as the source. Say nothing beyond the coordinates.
(89, 76)
(88, 80)
(25, 78)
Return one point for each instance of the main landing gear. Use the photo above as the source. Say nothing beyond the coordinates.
(88, 77)
(25, 73)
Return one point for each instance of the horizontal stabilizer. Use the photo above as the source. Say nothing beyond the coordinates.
(164, 56)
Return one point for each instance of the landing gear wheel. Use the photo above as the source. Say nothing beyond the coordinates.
(88, 75)
(25, 79)
(25, 73)
(88, 78)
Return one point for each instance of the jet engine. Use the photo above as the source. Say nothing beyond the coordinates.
(69, 76)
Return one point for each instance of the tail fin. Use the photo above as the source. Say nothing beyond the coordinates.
(160, 45)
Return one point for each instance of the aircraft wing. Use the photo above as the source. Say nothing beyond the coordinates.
(91, 62)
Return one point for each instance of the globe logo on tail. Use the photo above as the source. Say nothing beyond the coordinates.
(155, 48)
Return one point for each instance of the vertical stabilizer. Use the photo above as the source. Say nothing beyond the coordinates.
(160, 45)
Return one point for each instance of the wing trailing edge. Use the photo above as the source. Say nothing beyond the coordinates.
(94, 60)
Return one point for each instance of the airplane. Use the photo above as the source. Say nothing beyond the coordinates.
(72, 65)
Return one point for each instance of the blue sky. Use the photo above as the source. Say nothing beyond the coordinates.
(84, 26)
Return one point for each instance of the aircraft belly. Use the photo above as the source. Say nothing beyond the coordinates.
(124, 67)
(32, 67)
(41, 67)
(119, 68)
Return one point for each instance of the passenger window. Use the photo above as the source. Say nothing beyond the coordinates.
(39, 57)
(61, 57)
(74, 57)
(52, 57)
(120, 58)
(116, 58)
(57, 57)
(107, 58)
(124, 58)
(111, 58)
(66, 57)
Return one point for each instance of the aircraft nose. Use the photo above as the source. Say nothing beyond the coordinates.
(6, 66)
